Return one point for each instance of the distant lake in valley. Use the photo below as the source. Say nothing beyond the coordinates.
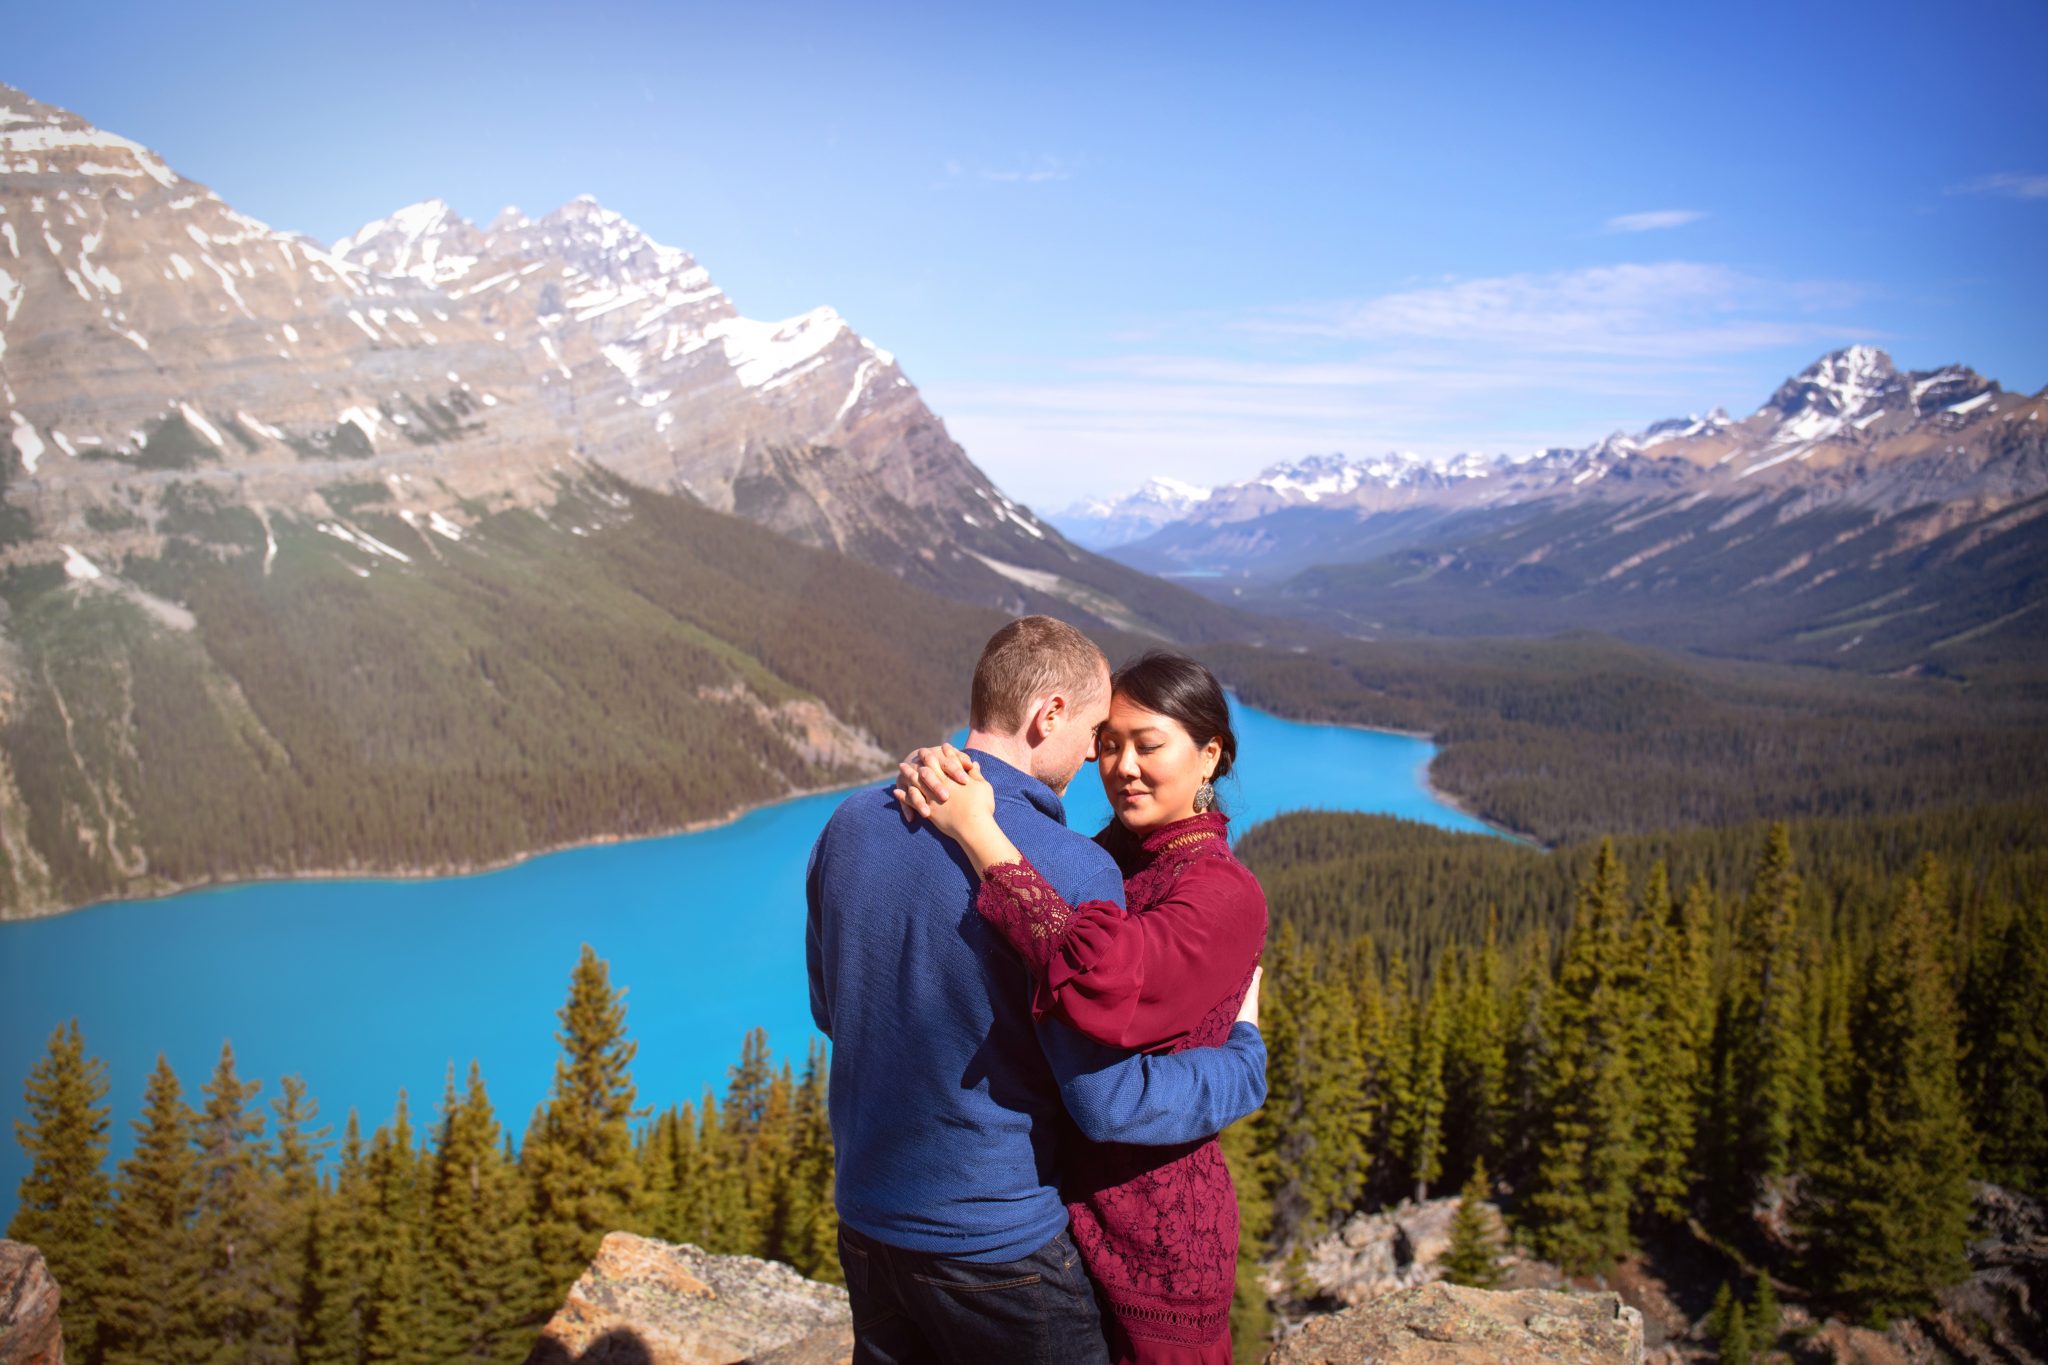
(364, 987)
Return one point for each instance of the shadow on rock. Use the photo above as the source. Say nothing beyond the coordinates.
(621, 1346)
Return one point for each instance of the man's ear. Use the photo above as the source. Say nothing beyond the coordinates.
(1047, 715)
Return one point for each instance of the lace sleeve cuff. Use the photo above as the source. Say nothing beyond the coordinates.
(1018, 904)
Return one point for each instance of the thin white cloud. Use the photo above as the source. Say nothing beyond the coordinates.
(1665, 309)
(1041, 171)
(2007, 185)
(1654, 220)
(1501, 363)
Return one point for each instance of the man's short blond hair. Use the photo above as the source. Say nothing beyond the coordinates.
(1033, 656)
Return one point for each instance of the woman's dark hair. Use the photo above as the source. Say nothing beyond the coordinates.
(1177, 686)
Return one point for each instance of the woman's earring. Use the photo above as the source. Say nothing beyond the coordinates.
(1205, 796)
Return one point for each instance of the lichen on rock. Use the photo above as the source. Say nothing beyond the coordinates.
(645, 1302)
(1443, 1324)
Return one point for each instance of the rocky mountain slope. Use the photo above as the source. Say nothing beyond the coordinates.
(446, 544)
(1861, 516)
(153, 335)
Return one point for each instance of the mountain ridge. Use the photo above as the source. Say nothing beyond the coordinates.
(1860, 517)
(1851, 407)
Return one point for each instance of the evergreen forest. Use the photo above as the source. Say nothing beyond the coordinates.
(1618, 1041)
(1835, 1026)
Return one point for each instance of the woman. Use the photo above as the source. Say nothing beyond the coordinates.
(1156, 1227)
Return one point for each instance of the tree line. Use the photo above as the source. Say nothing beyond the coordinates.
(238, 1231)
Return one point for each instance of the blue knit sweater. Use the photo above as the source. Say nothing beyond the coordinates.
(946, 1097)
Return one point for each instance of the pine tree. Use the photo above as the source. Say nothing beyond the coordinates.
(149, 1303)
(1759, 1042)
(766, 1170)
(482, 1244)
(1251, 1316)
(1391, 1137)
(295, 1175)
(579, 1160)
(1890, 1198)
(401, 1321)
(1358, 973)
(343, 1260)
(1475, 1061)
(1528, 1055)
(2008, 1062)
(1810, 1121)
(1764, 1317)
(1587, 1149)
(1422, 1133)
(1674, 943)
(1313, 1122)
(708, 1194)
(244, 1301)
(1473, 1257)
(654, 1151)
(65, 1201)
(1729, 1326)
(813, 1221)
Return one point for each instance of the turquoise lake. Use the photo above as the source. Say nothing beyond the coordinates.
(364, 987)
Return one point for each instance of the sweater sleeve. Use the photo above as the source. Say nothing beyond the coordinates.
(1139, 980)
(1157, 1099)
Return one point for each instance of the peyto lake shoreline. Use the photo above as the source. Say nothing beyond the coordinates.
(365, 986)
(430, 871)
(437, 871)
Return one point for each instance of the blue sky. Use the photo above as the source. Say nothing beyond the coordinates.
(1113, 241)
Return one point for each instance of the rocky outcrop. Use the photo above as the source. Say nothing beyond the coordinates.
(1391, 1249)
(644, 1302)
(1378, 1253)
(1442, 1324)
(29, 1331)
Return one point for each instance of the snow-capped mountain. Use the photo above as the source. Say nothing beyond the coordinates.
(658, 376)
(1101, 523)
(464, 368)
(1850, 429)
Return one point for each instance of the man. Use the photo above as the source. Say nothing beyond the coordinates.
(947, 1099)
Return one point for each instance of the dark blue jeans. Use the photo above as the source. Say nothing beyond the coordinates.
(911, 1308)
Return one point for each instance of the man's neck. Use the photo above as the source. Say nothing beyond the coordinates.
(1011, 749)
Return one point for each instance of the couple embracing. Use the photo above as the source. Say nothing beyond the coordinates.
(1037, 1036)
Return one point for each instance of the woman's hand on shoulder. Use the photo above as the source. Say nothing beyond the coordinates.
(1248, 1012)
(943, 785)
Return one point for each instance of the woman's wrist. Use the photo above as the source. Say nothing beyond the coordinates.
(986, 845)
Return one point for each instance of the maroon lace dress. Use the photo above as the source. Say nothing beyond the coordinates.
(1156, 1226)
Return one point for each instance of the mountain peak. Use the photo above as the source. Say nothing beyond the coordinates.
(41, 139)
(585, 208)
(428, 240)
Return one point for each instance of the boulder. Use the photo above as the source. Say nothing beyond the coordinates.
(1443, 1324)
(644, 1302)
(1375, 1253)
(29, 1331)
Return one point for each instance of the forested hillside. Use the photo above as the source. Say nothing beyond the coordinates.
(1845, 1016)
(1578, 736)
(623, 663)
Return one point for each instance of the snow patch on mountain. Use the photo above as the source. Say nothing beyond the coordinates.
(765, 355)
